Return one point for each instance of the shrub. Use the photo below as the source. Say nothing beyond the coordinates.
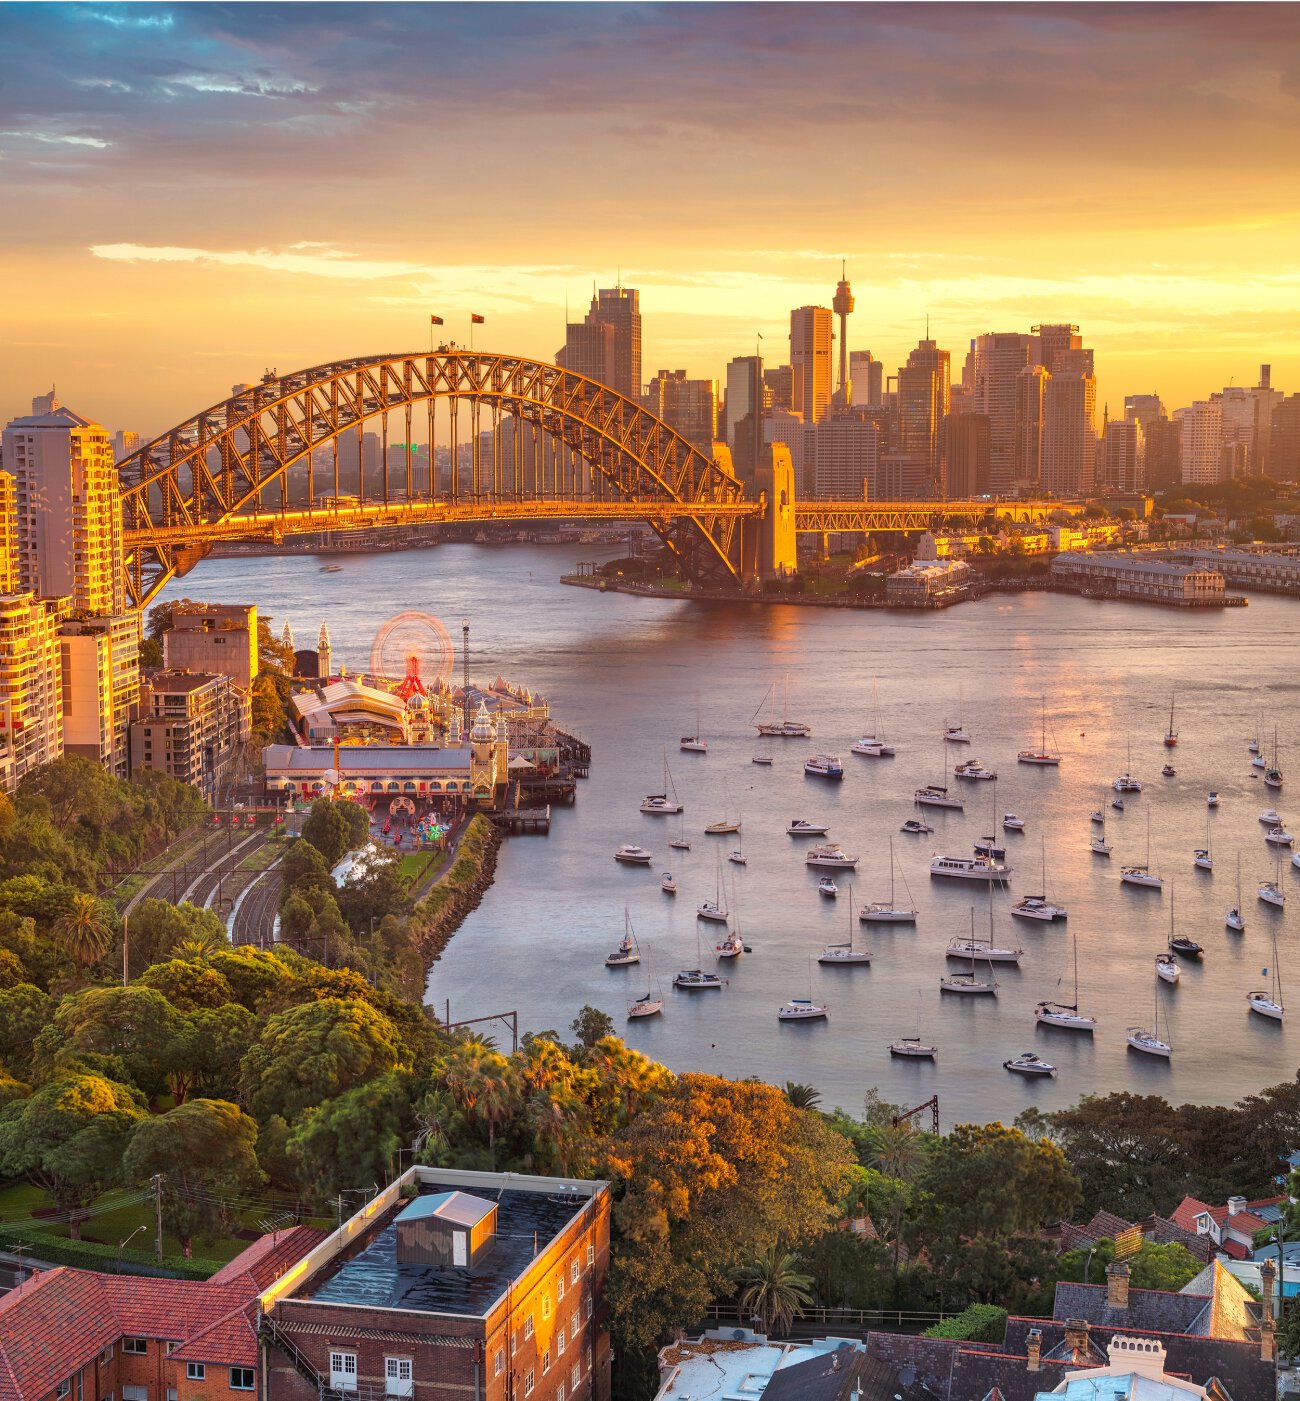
(977, 1323)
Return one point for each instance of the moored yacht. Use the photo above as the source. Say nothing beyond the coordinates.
(712, 911)
(632, 855)
(1029, 1063)
(1126, 783)
(844, 955)
(826, 886)
(667, 884)
(881, 912)
(1140, 875)
(693, 978)
(955, 734)
(982, 868)
(647, 1006)
(824, 766)
(915, 828)
(802, 1009)
(627, 951)
(830, 855)
(1065, 1016)
(988, 846)
(659, 805)
(972, 768)
(935, 795)
(1211, 799)
(872, 747)
(1278, 836)
(1012, 823)
(1167, 968)
(1042, 755)
(693, 744)
(1140, 1039)
(981, 950)
(1270, 817)
(1271, 893)
(1038, 907)
(913, 1046)
(801, 827)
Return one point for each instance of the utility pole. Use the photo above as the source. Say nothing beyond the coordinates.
(464, 654)
(125, 946)
(156, 1183)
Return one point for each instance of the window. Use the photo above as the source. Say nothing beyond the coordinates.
(546, 1361)
(171, 1393)
(135, 1393)
(137, 1347)
(499, 1362)
(106, 1356)
(241, 1379)
(528, 1382)
(63, 1389)
(559, 1288)
(559, 1392)
(195, 1371)
(573, 1270)
(546, 1307)
(397, 1376)
(528, 1327)
(575, 1377)
(343, 1371)
(588, 1305)
(591, 1255)
(514, 1343)
(559, 1340)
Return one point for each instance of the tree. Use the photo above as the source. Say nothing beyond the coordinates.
(83, 931)
(328, 830)
(354, 1138)
(315, 1052)
(155, 929)
(135, 1024)
(68, 1139)
(24, 1012)
(591, 1025)
(773, 1290)
(253, 974)
(1165, 1267)
(187, 985)
(1128, 1152)
(73, 791)
(802, 1096)
(205, 1153)
(375, 892)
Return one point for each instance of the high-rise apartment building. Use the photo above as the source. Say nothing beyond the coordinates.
(213, 637)
(69, 508)
(1122, 464)
(810, 362)
(588, 349)
(192, 725)
(992, 371)
(125, 442)
(688, 406)
(1069, 424)
(1164, 453)
(1201, 450)
(923, 402)
(867, 375)
(1027, 445)
(100, 659)
(1284, 446)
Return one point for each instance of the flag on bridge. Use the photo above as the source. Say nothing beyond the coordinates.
(435, 321)
(475, 319)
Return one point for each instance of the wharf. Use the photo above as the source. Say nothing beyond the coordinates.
(528, 821)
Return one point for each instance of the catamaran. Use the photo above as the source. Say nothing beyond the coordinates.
(1126, 783)
(872, 745)
(891, 913)
(785, 728)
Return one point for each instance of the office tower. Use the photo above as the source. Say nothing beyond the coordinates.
(618, 359)
(846, 449)
(689, 406)
(782, 426)
(1164, 450)
(778, 387)
(867, 374)
(966, 453)
(1054, 342)
(923, 402)
(1122, 466)
(744, 391)
(125, 442)
(69, 508)
(842, 306)
(991, 373)
(810, 362)
(1027, 444)
(1069, 424)
(1144, 409)
(1201, 450)
(1284, 445)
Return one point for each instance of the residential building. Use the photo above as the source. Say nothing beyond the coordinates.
(486, 1284)
(1141, 577)
(1069, 425)
(1232, 1226)
(100, 688)
(191, 727)
(1123, 456)
(1134, 1368)
(31, 674)
(616, 354)
(78, 1335)
(125, 442)
(1284, 444)
(688, 406)
(1201, 444)
(732, 1362)
(810, 362)
(213, 637)
(744, 393)
(1027, 445)
(846, 447)
(992, 371)
(867, 376)
(923, 402)
(69, 508)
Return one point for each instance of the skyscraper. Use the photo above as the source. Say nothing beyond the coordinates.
(923, 401)
(992, 369)
(1201, 453)
(866, 373)
(689, 406)
(1123, 456)
(744, 391)
(619, 361)
(847, 450)
(1069, 424)
(842, 305)
(1054, 342)
(810, 361)
(1027, 445)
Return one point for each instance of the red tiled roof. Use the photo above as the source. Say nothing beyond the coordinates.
(1235, 1249)
(48, 1326)
(1186, 1212)
(1189, 1208)
(268, 1258)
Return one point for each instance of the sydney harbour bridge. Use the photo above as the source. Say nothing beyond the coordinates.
(573, 450)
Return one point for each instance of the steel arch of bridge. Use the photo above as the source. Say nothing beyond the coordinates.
(208, 478)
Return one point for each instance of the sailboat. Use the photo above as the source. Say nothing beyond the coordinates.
(1098, 844)
(692, 743)
(1039, 906)
(650, 1004)
(956, 734)
(1141, 875)
(713, 910)
(1203, 856)
(1066, 1014)
(913, 1046)
(1269, 1003)
(1271, 892)
(1042, 755)
(660, 804)
(1171, 734)
(787, 728)
(731, 945)
(936, 795)
(1149, 1042)
(968, 982)
(873, 745)
(680, 842)
(1167, 968)
(803, 1009)
(845, 955)
(1180, 943)
(1273, 774)
(879, 913)
(627, 951)
(1234, 919)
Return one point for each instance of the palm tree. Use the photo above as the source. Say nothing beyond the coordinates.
(802, 1096)
(895, 1149)
(773, 1290)
(82, 931)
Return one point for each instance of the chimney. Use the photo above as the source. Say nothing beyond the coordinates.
(1117, 1286)
(1034, 1347)
(1235, 1205)
(1267, 1282)
(1076, 1338)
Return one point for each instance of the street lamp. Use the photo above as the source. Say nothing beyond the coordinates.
(124, 1242)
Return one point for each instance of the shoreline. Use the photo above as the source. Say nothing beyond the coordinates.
(456, 893)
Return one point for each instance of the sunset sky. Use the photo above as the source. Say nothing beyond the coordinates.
(194, 193)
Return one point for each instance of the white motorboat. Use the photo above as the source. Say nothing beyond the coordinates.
(725, 828)
(830, 856)
(1268, 1002)
(693, 744)
(1118, 804)
(1270, 817)
(695, 978)
(982, 868)
(764, 759)
(1234, 919)
(1096, 815)
(667, 884)
(802, 1009)
(988, 846)
(973, 769)
(888, 913)
(1271, 893)
(913, 1046)
(1167, 968)
(915, 828)
(826, 886)
(1012, 823)
(647, 1006)
(1043, 756)
(872, 748)
(627, 951)
(1027, 1063)
(824, 766)
(1211, 800)
(955, 734)
(801, 827)
(982, 951)
(844, 955)
(1037, 907)
(935, 795)
(1278, 836)
(1295, 860)
(632, 855)
(712, 911)
(1141, 875)
(659, 805)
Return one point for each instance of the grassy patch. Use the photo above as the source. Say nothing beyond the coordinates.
(464, 870)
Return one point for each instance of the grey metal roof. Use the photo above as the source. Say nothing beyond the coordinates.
(460, 1208)
(362, 760)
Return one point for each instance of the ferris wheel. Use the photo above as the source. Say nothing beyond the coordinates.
(413, 651)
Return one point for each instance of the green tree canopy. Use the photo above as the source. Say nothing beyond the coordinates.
(773, 1290)
(187, 986)
(1128, 1152)
(328, 828)
(354, 1138)
(25, 1011)
(156, 928)
(591, 1025)
(135, 1024)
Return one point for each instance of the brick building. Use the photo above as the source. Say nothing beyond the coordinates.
(487, 1284)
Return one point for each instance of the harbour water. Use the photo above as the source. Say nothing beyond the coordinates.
(629, 675)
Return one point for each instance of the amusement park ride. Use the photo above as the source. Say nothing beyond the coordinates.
(579, 450)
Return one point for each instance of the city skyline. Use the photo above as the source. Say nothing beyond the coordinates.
(210, 192)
